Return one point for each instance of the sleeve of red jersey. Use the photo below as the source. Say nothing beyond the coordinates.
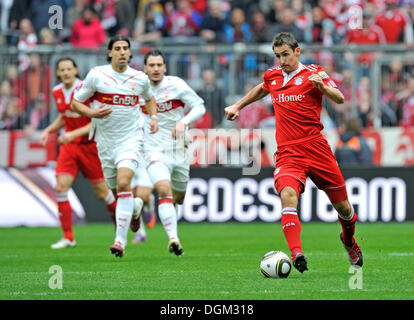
(326, 79)
(265, 86)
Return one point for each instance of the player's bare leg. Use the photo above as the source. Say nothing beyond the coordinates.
(63, 184)
(148, 212)
(292, 228)
(105, 194)
(178, 199)
(348, 218)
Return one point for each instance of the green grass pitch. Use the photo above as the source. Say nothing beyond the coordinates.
(221, 262)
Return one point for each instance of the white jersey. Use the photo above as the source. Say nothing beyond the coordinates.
(121, 91)
(174, 98)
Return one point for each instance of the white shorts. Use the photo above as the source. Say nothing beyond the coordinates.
(141, 177)
(113, 157)
(163, 166)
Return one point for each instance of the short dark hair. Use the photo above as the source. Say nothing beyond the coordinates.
(154, 53)
(65, 58)
(114, 39)
(285, 38)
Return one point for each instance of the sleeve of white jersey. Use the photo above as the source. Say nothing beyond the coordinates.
(87, 89)
(192, 100)
(147, 93)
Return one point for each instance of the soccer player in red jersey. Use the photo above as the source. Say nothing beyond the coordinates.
(302, 151)
(76, 152)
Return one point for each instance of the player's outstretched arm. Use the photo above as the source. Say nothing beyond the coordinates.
(53, 127)
(196, 112)
(332, 93)
(102, 112)
(72, 135)
(232, 112)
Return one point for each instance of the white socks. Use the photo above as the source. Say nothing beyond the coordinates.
(124, 208)
(141, 229)
(168, 217)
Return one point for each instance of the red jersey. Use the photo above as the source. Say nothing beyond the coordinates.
(297, 103)
(63, 98)
(393, 23)
(371, 35)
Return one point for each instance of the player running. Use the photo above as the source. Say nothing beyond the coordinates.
(302, 152)
(76, 151)
(114, 91)
(166, 151)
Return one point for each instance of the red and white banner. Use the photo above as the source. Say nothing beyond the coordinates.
(391, 147)
(19, 150)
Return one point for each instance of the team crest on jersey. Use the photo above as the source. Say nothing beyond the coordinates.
(298, 81)
(323, 74)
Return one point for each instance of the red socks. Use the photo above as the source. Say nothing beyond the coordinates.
(291, 229)
(348, 229)
(65, 217)
(112, 209)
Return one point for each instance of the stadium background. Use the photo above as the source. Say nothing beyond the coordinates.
(221, 48)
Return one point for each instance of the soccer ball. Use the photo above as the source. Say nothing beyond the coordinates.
(275, 264)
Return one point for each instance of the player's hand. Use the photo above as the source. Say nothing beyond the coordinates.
(154, 125)
(65, 138)
(232, 112)
(316, 81)
(43, 138)
(102, 112)
(179, 130)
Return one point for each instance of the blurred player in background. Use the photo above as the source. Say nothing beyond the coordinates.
(114, 90)
(302, 151)
(76, 153)
(166, 151)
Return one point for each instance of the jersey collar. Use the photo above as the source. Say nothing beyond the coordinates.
(289, 76)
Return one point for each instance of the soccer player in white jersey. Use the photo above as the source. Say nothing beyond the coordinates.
(114, 91)
(166, 151)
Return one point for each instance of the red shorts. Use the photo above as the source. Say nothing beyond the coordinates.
(80, 156)
(313, 159)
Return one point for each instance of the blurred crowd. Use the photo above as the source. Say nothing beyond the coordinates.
(87, 24)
